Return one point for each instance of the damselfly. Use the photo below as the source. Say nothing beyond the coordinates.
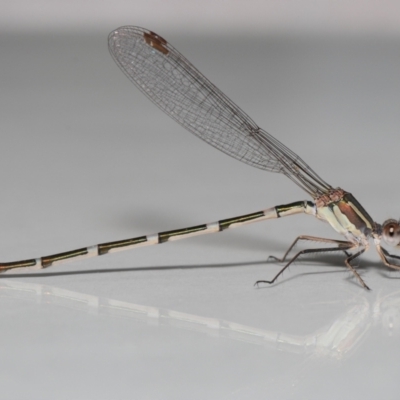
(171, 82)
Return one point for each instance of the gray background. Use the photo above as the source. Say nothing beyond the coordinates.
(86, 158)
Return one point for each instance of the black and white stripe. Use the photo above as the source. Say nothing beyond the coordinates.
(162, 237)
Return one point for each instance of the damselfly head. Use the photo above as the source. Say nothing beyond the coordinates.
(391, 232)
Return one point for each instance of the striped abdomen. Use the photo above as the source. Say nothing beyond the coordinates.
(162, 237)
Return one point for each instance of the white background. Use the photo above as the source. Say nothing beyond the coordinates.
(85, 159)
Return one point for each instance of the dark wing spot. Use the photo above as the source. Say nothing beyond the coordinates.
(155, 41)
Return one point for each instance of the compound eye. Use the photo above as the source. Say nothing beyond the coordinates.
(391, 232)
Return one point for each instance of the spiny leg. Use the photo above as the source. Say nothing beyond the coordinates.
(353, 270)
(387, 254)
(307, 251)
(383, 253)
(342, 245)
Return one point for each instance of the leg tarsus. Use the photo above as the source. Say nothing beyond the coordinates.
(275, 258)
(353, 270)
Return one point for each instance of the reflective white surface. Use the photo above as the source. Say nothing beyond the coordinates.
(85, 158)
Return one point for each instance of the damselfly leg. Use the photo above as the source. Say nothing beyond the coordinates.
(384, 254)
(343, 244)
